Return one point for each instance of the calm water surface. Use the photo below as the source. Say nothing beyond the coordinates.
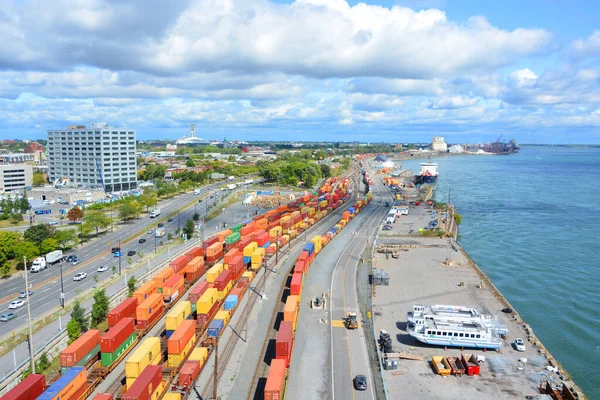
(531, 222)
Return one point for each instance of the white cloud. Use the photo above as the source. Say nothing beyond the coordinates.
(588, 47)
(454, 102)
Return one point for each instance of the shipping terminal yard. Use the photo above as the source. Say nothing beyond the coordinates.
(311, 299)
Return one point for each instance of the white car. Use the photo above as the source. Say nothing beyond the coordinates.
(79, 276)
(16, 304)
(150, 232)
(519, 344)
(103, 268)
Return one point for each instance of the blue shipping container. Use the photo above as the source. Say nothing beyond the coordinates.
(215, 327)
(61, 383)
(169, 333)
(266, 245)
(310, 247)
(247, 222)
(351, 209)
(247, 260)
(230, 302)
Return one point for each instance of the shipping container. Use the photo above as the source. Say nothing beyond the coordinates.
(199, 354)
(223, 315)
(179, 313)
(172, 396)
(179, 263)
(112, 344)
(147, 312)
(82, 350)
(208, 242)
(145, 290)
(103, 396)
(195, 252)
(197, 292)
(148, 386)
(125, 309)
(290, 312)
(214, 250)
(230, 255)
(215, 327)
(173, 288)
(207, 300)
(29, 388)
(310, 247)
(204, 318)
(188, 374)
(284, 343)
(275, 386)
(225, 291)
(175, 360)
(70, 386)
(181, 337)
(213, 272)
(148, 353)
(223, 280)
(300, 267)
(296, 284)
(162, 277)
(230, 302)
(236, 266)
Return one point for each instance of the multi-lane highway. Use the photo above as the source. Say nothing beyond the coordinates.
(349, 356)
(46, 284)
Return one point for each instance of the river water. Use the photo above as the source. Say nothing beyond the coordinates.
(531, 222)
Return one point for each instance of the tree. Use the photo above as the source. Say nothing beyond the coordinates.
(39, 179)
(96, 220)
(148, 199)
(457, 218)
(48, 245)
(16, 218)
(196, 217)
(37, 233)
(78, 314)
(75, 214)
(190, 163)
(42, 363)
(4, 264)
(127, 210)
(8, 243)
(65, 236)
(73, 330)
(131, 286)
(26, 249)
(188, 229)
(100, 308)
(325, 170)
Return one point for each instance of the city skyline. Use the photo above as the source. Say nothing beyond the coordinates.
(309, 70)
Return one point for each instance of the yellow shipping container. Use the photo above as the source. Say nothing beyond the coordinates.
(223, 293)
(249, 275)
(206, 301)
(273, 232)
(256, 259)
(255, 267)
(248, 250)
(175, 359)
(213, 272)
(224, 315)
(199, 354)
(323, 203)
(311, 211)
(178, 314)
(285, 219)
(147, 354)
(172, 396)
(295, 213)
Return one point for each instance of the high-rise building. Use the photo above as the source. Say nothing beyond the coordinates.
(94, 156)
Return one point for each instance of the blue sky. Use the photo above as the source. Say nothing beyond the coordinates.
(383, 70)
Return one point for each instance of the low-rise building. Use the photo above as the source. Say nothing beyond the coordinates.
(15, 158)
(438, 144)
(15, 177)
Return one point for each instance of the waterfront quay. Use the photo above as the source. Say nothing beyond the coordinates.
(433, 270)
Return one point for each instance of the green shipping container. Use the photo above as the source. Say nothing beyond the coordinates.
(84, 360)
(236, 228)
(233, 238)
(193, 307)
(109, 358)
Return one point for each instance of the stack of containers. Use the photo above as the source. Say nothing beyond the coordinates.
(192, 367)
(257, 258)
(181, 342)
(248, 251)
(213, 273)
(162, 277)
(223, 316)
(179, 313)
(126, 309)
(262, 239)
(194, 269)
(70, 386)
(147, 354)
(196, 292)
(229, 256)
(310, 248)
(296, 284)
(241, 245)
(148, 312)
(317, 242)
(82, 350)
(195, 252)
(247, 229)
(145, 290)
(230, 302)
(172, 396)
(208, 242)
(172, 288)
(207, 307)
(148, 386)
(223, 284)
(274, 232)
(290, 312)
(117, 340)
(274, 388)
(284, 343)
(232, 239)
(236, 266)
(29, 388)
(221, 236)
(179, 263)
(216, 327)
(214, 252)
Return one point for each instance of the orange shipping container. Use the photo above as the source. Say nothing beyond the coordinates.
(146, 290)
(181, 337)
(196, 264)
(290, 311)
(214, 249)
(149, 307)
(275, 381)
(173, 287)
(162, 277)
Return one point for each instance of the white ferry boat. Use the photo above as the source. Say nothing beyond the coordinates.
(455, 315)
(454, 335)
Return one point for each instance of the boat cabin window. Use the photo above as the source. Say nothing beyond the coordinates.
(473, 335)
(429, 332)
(439, 333)
(460, 334)
(444, 333)
(478, 336)
(455, 333)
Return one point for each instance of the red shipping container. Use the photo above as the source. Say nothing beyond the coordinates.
(180, 262)
(275, 380)
(28, 389)
(145, 384)
(111, 340)
(285, 342)
(209, 242)
(223, 280)
(300, 267)
(247, 230)
(181, 337)
(80, 348)
(303, 256)
(243, 283)
(192, 276)
(230, 255)
(262, 238)
(173, 287)
(197, 291)
(195, 252)
(243, 243)
(296, 285)
(188, 373)
(204, 319)
(103, 396)
(213, 258)
(236, 267)
(126, 309)
(239, 292)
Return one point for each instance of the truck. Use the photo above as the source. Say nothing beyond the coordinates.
(159, 232)
(155, 213)
(231, 186)
(441, 366)
(248, 181)
(38, 265)
(54, 257)
(197, 191)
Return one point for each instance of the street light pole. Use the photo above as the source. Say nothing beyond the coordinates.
(29, 318)
(155, 240)
(62, 288)
(120, 255)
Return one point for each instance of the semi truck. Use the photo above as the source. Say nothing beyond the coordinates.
(159, 232)
(155, 213)
(51, 258)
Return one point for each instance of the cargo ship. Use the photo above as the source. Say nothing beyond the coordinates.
(428, 174)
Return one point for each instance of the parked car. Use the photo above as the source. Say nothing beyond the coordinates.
(170, 220)
(23, 294)
(519, 344)
(433, 224)
(131, 253)
(360, 382)
(8, 316)
(142, 240)
(103, 268)
(79, 276)
(386, 228)
(16, 304)
(52, 222)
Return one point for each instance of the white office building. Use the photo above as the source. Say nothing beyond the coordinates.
(94, 156)
(14, 177)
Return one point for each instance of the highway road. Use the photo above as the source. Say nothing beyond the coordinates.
(46, 284)
(349, 356)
